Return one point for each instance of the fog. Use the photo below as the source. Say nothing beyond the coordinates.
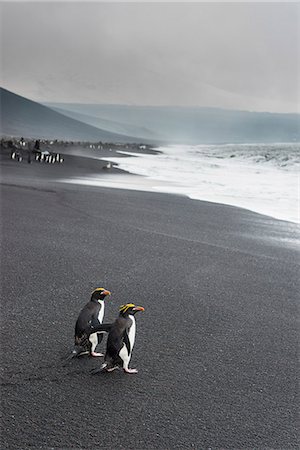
(229, 55)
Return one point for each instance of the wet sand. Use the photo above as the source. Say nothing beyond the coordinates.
(216, 347)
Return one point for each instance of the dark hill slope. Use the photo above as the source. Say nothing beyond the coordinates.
(113, 126)
(23, 117)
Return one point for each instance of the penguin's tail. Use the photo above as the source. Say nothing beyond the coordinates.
(102, 368)
(77, 351)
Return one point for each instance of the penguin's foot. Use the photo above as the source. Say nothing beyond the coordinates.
(82, 353)
(130, 370)
(96, 354)
(111, 369)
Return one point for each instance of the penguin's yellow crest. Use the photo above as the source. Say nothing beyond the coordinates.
(97, 290)
(124, 308)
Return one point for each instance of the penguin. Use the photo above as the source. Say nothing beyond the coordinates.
(120, 340)
(90, 316)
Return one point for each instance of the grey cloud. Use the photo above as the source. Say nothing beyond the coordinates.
(231, 55)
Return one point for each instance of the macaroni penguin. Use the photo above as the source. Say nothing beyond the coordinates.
(120, 340)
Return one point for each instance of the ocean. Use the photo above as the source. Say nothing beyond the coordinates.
(263, 178)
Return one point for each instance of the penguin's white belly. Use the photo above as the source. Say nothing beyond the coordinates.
(131, 334)
(93, 338)
(123, 353)
(101, 312)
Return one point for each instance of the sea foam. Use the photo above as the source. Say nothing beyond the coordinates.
(260, 177)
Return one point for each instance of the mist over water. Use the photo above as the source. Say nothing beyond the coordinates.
(260, 177)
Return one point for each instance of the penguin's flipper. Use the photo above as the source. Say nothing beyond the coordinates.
(104, 327)
(126, 342)
(94, 322)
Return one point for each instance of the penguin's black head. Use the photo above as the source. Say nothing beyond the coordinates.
(130, 308)
(99, 294)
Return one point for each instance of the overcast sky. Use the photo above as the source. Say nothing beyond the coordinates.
(230, 55)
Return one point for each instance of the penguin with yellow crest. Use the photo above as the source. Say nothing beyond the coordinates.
(120, 340)
(90, 316)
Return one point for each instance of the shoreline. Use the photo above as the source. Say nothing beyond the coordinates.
(88, 166)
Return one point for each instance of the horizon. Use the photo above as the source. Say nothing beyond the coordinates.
(230, 56)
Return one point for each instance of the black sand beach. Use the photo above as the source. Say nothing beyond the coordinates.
(216, 347)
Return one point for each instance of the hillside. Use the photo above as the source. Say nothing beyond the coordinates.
(23, 117)
(182, 125)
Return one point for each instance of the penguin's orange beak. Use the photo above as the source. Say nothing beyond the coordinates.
(138, 308)
(106, 292)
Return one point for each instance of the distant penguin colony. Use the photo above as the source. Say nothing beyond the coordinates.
(120, 341)
(91, 316)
